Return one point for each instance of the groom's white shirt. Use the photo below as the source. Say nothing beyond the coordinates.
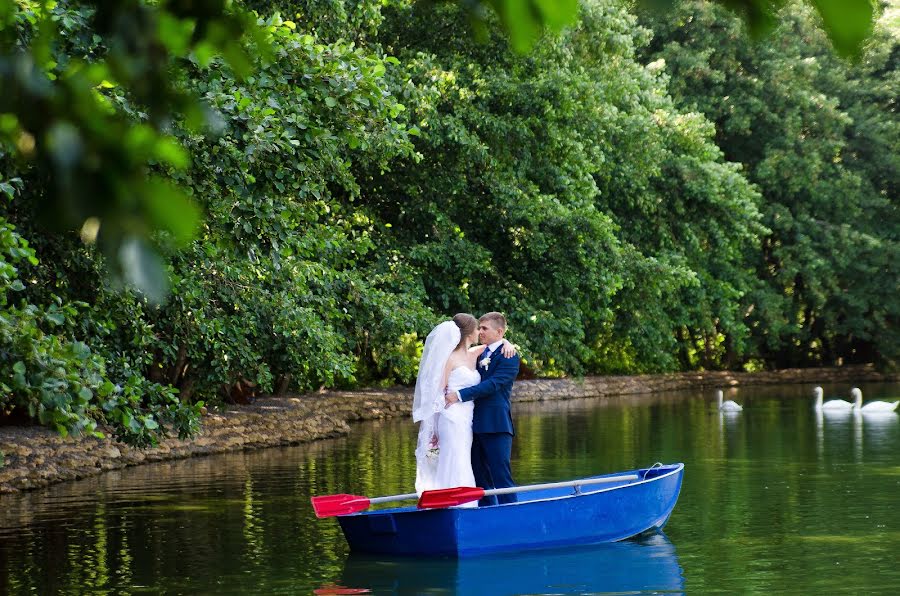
(492, 348)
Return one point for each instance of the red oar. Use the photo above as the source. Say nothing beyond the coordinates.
(448, 497)
(330, 505)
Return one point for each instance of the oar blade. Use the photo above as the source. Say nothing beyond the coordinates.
(448, 497)
(331, 505)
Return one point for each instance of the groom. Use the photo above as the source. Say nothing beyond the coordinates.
(492, 426)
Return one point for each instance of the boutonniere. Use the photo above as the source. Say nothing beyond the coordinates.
(485, 362)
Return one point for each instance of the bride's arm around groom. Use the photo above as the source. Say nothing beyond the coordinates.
(498, 366)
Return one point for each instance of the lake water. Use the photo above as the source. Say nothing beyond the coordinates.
(775, 498)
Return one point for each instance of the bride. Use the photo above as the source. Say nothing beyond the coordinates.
(443, 452)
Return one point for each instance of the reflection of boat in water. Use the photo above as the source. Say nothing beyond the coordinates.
(648, 564)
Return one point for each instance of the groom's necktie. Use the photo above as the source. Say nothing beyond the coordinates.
(485, 354)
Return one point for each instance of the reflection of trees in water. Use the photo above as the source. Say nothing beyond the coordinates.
(189, 519)
(754, 486)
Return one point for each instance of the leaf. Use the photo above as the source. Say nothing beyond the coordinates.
(65, 144)
(169, 151)
(170, 208)
(134, 425)
(55, 317)
(848, 23)
(558, 13)
(81, 350)
(175, 33)
(522, 24)
(237, 59)
(143, 269)
(330, 102)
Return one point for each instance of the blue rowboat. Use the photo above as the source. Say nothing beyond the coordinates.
(554, 517)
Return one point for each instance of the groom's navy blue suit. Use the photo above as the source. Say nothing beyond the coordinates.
(492, 425)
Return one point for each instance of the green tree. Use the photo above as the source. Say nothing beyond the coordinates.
(545, 190)
(815, 135)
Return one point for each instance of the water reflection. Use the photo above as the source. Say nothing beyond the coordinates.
(776, 499)
(862, 433)
(882, 432)
(648, 564)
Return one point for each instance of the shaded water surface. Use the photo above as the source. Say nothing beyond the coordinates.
(774, 498)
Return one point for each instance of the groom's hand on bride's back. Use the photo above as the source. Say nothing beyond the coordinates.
(450, 397)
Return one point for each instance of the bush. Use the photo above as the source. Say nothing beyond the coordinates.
(58, 380)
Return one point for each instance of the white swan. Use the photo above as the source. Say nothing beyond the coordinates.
(873, 407)
(728, 406)
(832, 405)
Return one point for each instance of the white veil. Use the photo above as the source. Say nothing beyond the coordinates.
(428, 402)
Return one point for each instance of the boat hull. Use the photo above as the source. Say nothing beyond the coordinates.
(541, 519)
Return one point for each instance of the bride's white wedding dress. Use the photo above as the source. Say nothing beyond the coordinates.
(453, 465)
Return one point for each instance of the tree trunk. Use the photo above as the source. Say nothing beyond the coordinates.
(178, 369)
(284, 381)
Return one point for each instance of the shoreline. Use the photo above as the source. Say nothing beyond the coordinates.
(35, 457)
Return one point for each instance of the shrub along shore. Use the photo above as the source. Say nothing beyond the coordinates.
(35, 457)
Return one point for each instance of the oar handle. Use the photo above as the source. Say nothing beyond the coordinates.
(375, 500)
(530, 487)
(448, 497)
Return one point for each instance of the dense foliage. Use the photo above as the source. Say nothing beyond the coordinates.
(367, 168)
(564, 188)
(818, 137)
